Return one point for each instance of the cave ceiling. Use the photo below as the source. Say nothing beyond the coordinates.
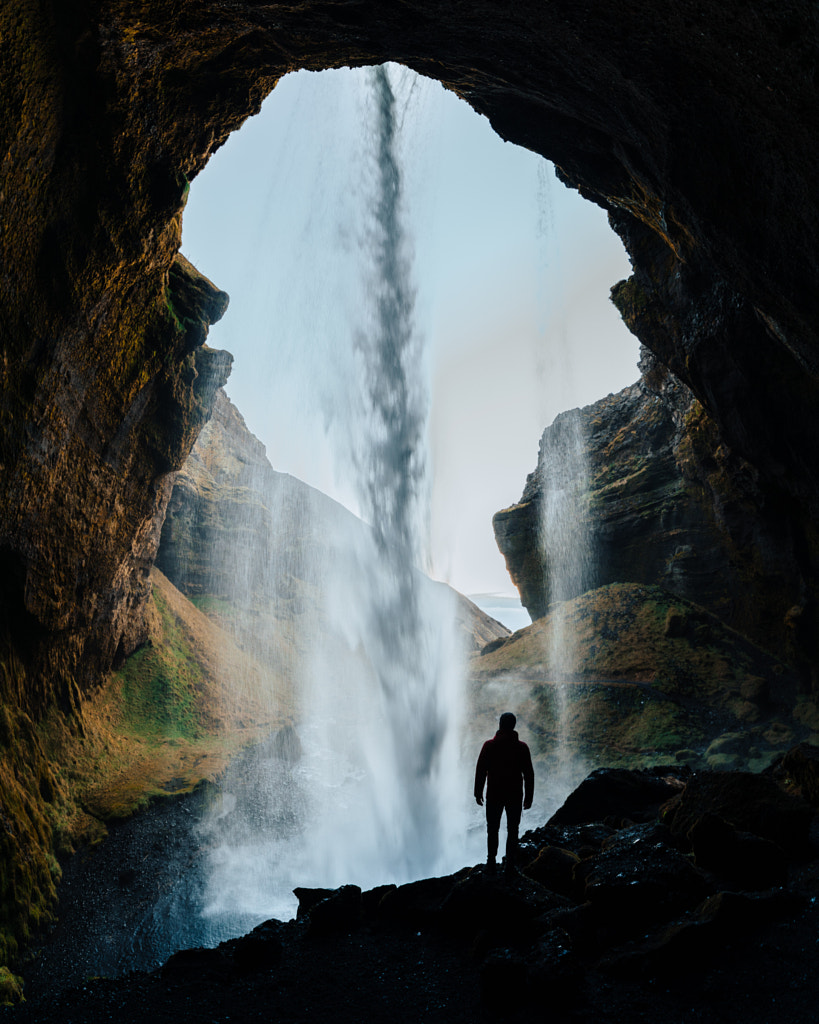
(693, 124)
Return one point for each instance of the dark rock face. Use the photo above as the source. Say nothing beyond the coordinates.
(692, 126)
(237, 530)
(646, 916)
(664, 502)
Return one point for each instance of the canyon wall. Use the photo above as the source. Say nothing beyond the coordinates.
(665, 502)
(691, 125)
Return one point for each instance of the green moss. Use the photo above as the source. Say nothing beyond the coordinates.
(11, 988)
(161, 685)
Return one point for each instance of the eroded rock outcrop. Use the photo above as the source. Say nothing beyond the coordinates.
(664, 502)
(690, 126)
(237, 531)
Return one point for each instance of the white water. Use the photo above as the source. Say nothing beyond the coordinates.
(378, 793)
(567, 557)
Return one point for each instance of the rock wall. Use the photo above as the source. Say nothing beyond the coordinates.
(666, 503)
(237, 531)
(691, 125)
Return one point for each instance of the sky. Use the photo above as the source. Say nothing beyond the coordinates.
(512, 273)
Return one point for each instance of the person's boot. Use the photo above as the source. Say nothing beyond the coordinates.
(491, 866)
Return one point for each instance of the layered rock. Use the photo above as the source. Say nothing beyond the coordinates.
(663, 502)
(240, 532)
(653, 677)
(690, 126)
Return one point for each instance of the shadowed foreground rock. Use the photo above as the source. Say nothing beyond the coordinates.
(655, 916)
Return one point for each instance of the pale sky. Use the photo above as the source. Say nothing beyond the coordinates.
(512, 272)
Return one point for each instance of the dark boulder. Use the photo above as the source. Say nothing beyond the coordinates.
(503, 910)
(641, 878)
(743, 860)
(554, 867)
(417, 903)
(801, 765)
(615, 795)
(338, 912)
(750, 803)
(260, 949)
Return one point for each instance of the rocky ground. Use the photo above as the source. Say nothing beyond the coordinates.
(654, 894)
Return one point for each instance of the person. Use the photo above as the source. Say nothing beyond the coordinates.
(505, 766)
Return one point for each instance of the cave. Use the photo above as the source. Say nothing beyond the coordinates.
(692, 127)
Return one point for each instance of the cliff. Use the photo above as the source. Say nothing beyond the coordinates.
(692, 126)
(663, 502)
(655, 679)
(248, 544)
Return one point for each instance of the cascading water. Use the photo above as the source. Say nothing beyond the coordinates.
(566, 553)
(366, 788)
(407, 721)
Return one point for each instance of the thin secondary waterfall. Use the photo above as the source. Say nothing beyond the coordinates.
(567, 559)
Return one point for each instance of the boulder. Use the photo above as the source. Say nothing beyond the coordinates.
(417, 903)
(338, 912)
(744, 860)
(260, 949)
(750, 803)
(615, 794)
(554, 867)
(504, 911)
(641, 878)
(801, 764)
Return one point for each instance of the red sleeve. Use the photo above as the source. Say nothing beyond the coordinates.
(528, 775)
(480, 769)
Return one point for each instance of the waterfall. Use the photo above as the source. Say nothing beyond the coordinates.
(404, 730)
(366, 786)
(566, 554)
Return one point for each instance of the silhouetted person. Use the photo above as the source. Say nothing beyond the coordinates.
(506, 763)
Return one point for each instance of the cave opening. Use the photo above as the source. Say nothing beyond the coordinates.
(510, 283)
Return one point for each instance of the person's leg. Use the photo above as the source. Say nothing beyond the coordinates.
(514, 808)
(494, 810)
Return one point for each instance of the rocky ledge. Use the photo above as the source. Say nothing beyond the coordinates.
(657, 894)
(660, 500)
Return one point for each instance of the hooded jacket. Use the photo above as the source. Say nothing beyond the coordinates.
(506, 762)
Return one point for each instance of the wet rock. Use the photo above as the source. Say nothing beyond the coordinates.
(193, 963)
(641, 878)
(745, 860)
(554, 867)
(417, 903)
(260, 949)
(371, 899)
(554, 971)
(699, 935)
(750, 803)
(337, 912)
(505, 911)
(801, 764)
(503, 977)
(613, 795)
(582, 840)
(309, 898)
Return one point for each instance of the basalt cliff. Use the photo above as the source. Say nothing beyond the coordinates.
(692, 125)
(663, 501)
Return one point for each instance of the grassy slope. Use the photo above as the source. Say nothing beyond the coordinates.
(655, 676)
(167, 721)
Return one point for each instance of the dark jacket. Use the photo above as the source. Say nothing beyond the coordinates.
(506, 762)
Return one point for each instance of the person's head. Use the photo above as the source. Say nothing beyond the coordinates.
(507, 721)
